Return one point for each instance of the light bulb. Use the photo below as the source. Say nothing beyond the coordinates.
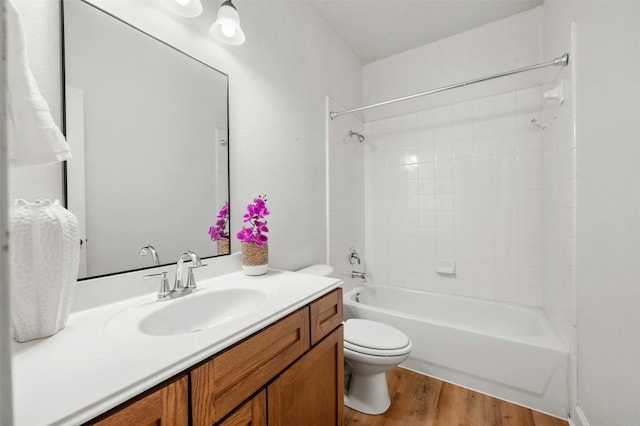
(228, 30)
(183, 2)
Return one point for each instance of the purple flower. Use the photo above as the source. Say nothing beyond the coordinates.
(219, 231)
(256, 212)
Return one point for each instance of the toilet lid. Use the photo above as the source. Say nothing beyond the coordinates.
(373, 335)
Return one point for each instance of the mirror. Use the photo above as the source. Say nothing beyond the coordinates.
(147, 125)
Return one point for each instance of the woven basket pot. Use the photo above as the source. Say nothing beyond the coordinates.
(255, 259)
(223, 246)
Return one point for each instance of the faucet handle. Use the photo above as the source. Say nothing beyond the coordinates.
(165, 291)
(191, 281)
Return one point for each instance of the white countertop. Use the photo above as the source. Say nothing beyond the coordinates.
(87, 368)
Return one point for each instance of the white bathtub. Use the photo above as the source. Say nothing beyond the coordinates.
(507, 351)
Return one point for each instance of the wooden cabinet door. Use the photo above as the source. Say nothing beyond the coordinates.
(168, 406)
(310, 392)
(221, 384)
(251, 413)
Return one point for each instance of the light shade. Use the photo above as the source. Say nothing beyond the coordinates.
(226, 28)
(186, 8)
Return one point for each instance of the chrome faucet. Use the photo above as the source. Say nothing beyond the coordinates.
(179, 289)
(154, 253)
(178, 286)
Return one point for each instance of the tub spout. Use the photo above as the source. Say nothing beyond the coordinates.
(356, 274)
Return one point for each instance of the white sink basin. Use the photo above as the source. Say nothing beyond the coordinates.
(198, 311)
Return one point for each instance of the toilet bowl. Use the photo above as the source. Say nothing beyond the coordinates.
(370, 349)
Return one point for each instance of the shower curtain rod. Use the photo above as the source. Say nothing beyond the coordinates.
(559, 61)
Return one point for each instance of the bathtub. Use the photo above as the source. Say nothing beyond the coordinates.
(507, 351)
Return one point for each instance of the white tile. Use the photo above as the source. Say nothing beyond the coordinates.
(444, 185)
(529, 276)
(486, 290)
(484, 147)
(530, 256)
(484, 165)
(529, 101)
(444, 168)
(529, 179)
(445, 202)
(530, 237)
(444, 150)
(445, 251)
(427, 202)
(463, 148)
(463, 167)
(507, 275)
(530, 199)
(463, 184)
(506, 293)
(427, 186)
(445, 219)
(445, 236)
(485, 200)
(530, 295)
(409, 156)
(529, 142)
(530, 218)
(426, 170)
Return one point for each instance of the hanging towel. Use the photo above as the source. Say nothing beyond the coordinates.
(34, 139)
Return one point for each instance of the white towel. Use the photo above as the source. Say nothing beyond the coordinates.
(34, 139)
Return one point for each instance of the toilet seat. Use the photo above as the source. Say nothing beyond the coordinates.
(374, 338)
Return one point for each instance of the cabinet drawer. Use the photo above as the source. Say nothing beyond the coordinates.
(326, 315)
(221, 384)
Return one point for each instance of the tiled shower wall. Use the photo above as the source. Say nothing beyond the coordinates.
(458, 182)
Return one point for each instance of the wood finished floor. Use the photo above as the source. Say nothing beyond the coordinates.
(425, 401)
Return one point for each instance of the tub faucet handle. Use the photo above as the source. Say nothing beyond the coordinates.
(354, 256)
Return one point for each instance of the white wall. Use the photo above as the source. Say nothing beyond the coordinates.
(461, 179)
(608, 205)
(503, 45)
(559, 197)
(346, 196)
(278, 82)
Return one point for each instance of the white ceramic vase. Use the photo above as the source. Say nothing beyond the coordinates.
(44, 256)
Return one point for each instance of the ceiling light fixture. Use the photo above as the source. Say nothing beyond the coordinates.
(226, 28)
(186, 8)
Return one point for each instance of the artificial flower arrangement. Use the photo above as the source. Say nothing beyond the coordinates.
(255, 251)
(255, 233)
(219, 230)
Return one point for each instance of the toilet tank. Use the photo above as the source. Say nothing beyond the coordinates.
(318, 269)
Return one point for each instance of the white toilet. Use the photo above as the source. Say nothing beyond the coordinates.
(370, 349)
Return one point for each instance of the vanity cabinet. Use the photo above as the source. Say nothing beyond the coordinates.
(298, 361)
(289, 373)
